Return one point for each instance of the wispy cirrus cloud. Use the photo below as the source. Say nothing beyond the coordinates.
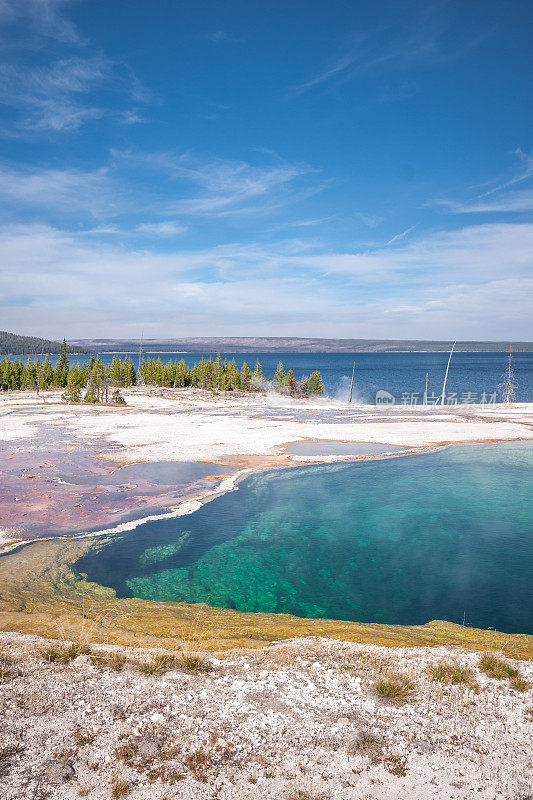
(501, 197)
(509, 203)
(223, 188)
(54, 98)
(223, 36)
(51, 95)
(168, 228)
(173, 187)
(41, 18)
(68, 191)
(525, 171)
(401, 235)
(414, 42)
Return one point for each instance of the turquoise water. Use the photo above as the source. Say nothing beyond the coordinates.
(445, 535)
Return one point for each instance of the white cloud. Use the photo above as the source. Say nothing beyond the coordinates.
(223, 36)
(44, 18)
(409, 43)
(223, 188)
(162, 228)
(59, 95)
(510, 202)
(471, 283)
(401, 235)
(516, 200)
(70, 191)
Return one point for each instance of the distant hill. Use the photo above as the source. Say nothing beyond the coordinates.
(17, 345)
(275, 344)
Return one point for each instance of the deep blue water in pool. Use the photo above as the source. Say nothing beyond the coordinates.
(445, 535)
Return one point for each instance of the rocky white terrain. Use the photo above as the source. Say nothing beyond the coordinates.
(304, 719)
(197, 425)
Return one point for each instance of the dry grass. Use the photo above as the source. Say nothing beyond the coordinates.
(496, 667)
(192, 662)
(82, 737)
(126, 751)
(9, 667)
(112, 661)
(120, 788)
(367, 744)
(199, 763)
(6, 755)
(451, 672)
(397, 688)
(161, 662)
(301, 794)
(520, 684)
(64, 653)
(164, 662)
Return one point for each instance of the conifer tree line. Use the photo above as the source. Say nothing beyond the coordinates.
(96, 382)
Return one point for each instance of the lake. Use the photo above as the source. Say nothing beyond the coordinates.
(444, 535)
(401, 374)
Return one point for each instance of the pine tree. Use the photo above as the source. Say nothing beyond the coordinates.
(246, 378)
(61, 368)
(289, 383)
(314, 383)
(258, 379)
(47, 374)
(217, 374)
(29, 376)
(279, 377)
(131, 377)
(117, 375)
(72, 393)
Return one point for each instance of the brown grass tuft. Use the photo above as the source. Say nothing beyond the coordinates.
(496, 667)
(65, 653)
(450, 672)
(112, 661)
(397, 688)
(120, 788)
(520, 684)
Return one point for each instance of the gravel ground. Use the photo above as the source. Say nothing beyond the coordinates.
(299, 720)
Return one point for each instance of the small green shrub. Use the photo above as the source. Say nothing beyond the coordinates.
(396, 766)
(367, 744)
(199, 763)
(126, 751)
(83, 737)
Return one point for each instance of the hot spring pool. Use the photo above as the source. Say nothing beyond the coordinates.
(443, 535)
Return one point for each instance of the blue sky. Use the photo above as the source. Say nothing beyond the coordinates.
(344, 169)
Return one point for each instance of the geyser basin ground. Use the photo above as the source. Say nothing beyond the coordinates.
(444, 535)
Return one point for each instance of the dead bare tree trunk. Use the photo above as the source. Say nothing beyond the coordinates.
(351, 384)
(446, 375)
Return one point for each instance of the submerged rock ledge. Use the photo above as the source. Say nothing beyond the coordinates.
(40, 594)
